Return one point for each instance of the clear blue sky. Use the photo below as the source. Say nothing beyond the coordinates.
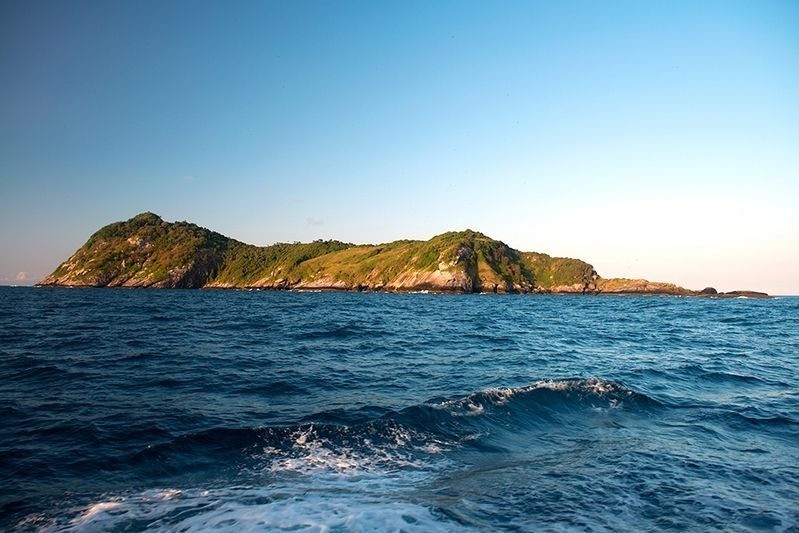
(652, 139)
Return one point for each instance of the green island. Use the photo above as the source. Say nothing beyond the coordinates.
(147, 251)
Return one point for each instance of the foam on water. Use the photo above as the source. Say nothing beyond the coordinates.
(313, 478)
(316, 485)
(346, 454)
(591, 388)
(196, 410)
(258, 509)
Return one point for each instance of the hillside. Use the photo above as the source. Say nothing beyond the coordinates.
(146, 251)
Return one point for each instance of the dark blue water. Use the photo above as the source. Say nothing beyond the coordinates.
(190, 410)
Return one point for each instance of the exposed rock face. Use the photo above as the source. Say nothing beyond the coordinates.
(464, 261)
(639, 286)
(737, 294)
(561, 274)
(145, 251)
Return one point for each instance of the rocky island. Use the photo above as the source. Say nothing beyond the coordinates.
(147, 251)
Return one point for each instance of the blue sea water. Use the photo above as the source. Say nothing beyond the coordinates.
(128, 410)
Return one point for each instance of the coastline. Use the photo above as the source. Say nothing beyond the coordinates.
(148, 252)
(686, 293)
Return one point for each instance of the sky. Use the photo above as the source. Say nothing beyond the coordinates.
(655, 140)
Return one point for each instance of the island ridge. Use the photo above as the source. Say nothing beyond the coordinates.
(146, 251)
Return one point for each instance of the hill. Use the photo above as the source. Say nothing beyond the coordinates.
(146, 251)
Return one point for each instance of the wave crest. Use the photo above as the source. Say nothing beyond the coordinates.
(572, 389)
(370, 439)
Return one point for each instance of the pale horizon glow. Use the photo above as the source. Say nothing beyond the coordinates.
(652, 141)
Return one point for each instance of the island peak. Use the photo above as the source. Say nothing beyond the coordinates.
(146, 251)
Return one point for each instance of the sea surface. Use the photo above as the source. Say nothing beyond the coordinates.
(130, 410)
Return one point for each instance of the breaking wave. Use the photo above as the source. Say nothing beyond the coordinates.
(335, 469)
(139, 410)
(355, 441)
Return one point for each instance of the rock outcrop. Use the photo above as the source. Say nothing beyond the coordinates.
(640, 286)
(732, 294)
(146, 251)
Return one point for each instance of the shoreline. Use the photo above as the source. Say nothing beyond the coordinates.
(694, 294)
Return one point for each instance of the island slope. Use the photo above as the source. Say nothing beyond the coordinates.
(146, 251)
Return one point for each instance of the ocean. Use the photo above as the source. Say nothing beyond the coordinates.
(185, 410)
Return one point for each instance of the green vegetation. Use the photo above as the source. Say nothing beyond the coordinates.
(245, 264)
(145, 251)
(552, 272)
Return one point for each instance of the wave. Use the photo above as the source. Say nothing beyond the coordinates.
(758, 417)
(573, 391)
(368, 468)
(343, 469)
(700, 376)
(354, 506)
(362, 439)
(732, 377)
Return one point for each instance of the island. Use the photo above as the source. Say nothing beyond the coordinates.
(146, 251)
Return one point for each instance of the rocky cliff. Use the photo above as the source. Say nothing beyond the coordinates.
(146, 251)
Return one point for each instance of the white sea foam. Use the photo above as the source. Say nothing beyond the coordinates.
(169, 494)
(344, 482)
(259, 509)
(592, 385)
(97, 509)
(475, 404)
(471, 406)
(312, 454)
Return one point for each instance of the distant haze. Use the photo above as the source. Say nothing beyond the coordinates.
(658, 141)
